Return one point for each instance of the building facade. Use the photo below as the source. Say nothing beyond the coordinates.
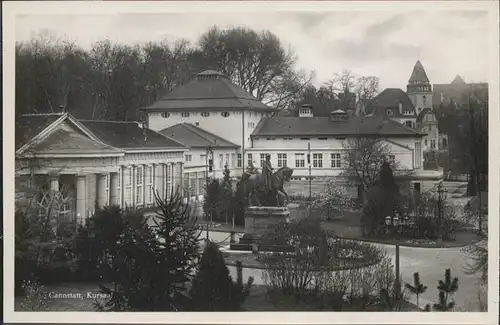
(93, 163)
(212, 103)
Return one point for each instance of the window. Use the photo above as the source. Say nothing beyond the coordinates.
(139, 176)
(287, 138)
(239, 160)
(250, 159)
(221, 161)
(389, 112)
(336, 160)
(227, 160)
(189, 158)
(430, 128)
(322, 138)
(192, 185)
(224, 114)
(281, 160)
(251, 125)
(262, 159)
(433, 144)
(317, 160)
(185, 185)
(300, 160)
(305, 138)
(233, 160)
(205, 114)
(165, 115)
(149, 185)
(392, 160)
(185, 114)
(424, 99)
(409, 124)
(270, 138)
(202, 180)
(418, 154)
(425, 142)
(128, 186)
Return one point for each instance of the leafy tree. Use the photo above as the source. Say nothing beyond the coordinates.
(213, 288)
(417, 288)
(446, 288)
(153, 264)
(334, 199)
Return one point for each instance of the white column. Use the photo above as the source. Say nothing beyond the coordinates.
(122, 187)
(54, 183)
(81, 203)
(181, 178)
(101, 190)
(113, 189)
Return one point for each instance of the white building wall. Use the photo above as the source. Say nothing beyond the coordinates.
(421, 100)
(235, 128)
(402, 148)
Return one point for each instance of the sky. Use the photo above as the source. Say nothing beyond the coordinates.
(385, 44)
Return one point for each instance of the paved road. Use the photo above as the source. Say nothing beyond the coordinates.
(429, 262)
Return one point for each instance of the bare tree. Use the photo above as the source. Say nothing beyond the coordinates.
(257, 62)
(363, 158)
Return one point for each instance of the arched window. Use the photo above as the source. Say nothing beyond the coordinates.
(389, 112)
(224, 114)
(165, 115)
(185, 114)
(205, 114)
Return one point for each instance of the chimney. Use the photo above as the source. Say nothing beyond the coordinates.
(305, 110)
(400, 106)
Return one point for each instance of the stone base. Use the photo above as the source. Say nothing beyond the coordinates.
(259, 220)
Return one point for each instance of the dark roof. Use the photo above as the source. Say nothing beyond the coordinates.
(310, 126)
(209, 91)
(458, 80)
(62, 141)
(418, 73)
(129, 135)
(193, 136)
(390, 98)
(29, 126)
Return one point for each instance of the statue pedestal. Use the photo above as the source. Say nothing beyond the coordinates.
(258, 220)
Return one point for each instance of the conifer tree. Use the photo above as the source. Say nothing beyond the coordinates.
(417, 288)
(446, 288)
(213, 288)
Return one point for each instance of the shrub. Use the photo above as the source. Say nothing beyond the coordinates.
(152, 265)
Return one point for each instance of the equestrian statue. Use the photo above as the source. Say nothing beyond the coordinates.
(265, 188)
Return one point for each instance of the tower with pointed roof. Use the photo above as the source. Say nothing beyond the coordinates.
(419, 89)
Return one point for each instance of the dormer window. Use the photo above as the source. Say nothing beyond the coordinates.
(185, 114)
(305, 111)
(165, 115)
(224, 114)
(205, 114)
(389, 112)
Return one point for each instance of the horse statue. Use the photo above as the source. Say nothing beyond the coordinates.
(254, 184)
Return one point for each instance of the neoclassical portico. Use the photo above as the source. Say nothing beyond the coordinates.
(124, 168)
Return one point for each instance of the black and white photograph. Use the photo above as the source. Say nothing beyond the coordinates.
(237, 157)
